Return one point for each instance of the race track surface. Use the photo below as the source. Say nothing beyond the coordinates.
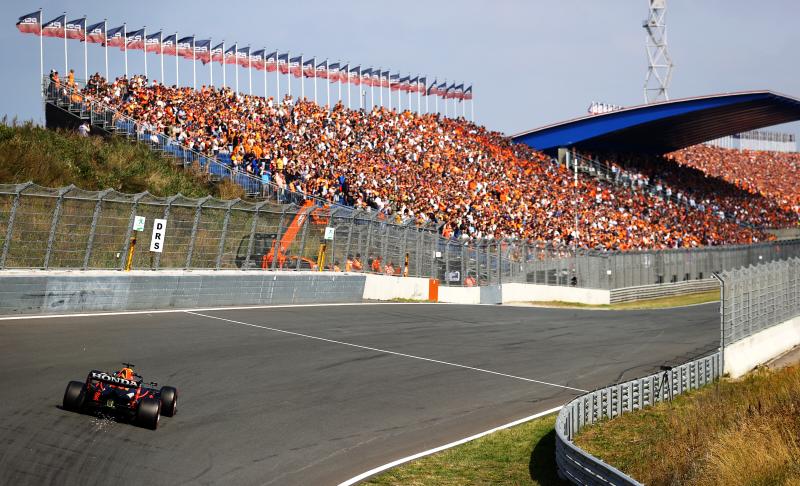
(311, 395)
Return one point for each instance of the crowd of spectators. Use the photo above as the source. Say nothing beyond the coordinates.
(773, 175)
(415, 167)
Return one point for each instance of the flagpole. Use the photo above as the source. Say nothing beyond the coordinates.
(236, 65)
(289, 72)
(85, 52)
(340, 80)
(249, 72)
(125, 46)
(390, 90)
(194, 67)
(66, 63)
(419, 95)
(427, 96)
(224, 67)
(472, 106)
(328, 86)
(360, 97)
(372, 90)
(380, 85)
(177, 76)
(347, 74)
(264, 64)
(302, 80)
(278, 76)
(445, 97)
(41, 51)
(315, 80)
(144, 49)
(211, 61)
(105, 43)
(436, 100)
(161, 53)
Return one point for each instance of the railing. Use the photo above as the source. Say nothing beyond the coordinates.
(580, 467)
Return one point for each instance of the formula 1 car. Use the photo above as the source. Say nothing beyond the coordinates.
(122, 393)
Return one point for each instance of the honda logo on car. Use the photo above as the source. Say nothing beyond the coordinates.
(112, 379)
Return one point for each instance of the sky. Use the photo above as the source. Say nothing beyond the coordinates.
(531, 62)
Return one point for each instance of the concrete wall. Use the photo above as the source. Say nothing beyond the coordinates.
(385, 287)
(742, 356)
(518, 292)
(65, 292)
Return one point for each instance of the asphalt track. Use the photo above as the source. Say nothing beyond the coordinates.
(342, 390)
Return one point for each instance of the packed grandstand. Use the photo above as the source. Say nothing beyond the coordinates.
(425, 167)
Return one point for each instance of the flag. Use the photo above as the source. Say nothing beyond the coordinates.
(366, 77)
(394, 82)
(271, 63)
(217, 53)
(468, 93)
(353, 77)
(458, 92)
(168, 44)
(153, 43)
(308, 68)
(185, 47)
(294, 67)
(114, 37)
(30, 23)
(243, 56)
(283, 63)
(402, 83)
(385, 79)
(134, 40)
(422, 84)
(343, 70)
(448, 92)
(333, 72)
(257, 59)
(441, 90)
(54, 28)
(202, 50)
(431, 90)
(96, 33)
(376, 78)
(230, 55)
(322, 70)
(76, 28)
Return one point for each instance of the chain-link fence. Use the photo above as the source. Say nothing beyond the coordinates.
(758, 297)
(72, 228)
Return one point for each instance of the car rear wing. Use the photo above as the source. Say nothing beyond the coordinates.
(111, 379)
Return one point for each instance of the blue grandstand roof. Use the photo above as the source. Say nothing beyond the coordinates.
(666, 126)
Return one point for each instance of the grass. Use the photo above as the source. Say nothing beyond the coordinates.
(659, 303)
(732, 433)
(521, 455)
(55, 158)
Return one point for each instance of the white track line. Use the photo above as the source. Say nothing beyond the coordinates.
(389, 352)
(206, 309)
(392, 464)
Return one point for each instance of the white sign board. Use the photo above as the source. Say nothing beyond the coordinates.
(138, 223)
(329, 231)
(159, 230)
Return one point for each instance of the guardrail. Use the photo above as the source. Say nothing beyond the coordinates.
(581, 467)
(643, 292)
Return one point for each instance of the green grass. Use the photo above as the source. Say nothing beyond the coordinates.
(734, 432)
(521, 455)
(660, 303)
(57, 158)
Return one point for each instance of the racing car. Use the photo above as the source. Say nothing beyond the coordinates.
(124, 393)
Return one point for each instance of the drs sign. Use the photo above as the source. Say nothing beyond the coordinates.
(159, 229)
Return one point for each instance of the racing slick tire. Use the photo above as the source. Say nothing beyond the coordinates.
(147, 414)
(169, 401)
(74, 396)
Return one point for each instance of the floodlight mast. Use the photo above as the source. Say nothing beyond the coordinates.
(659, 69)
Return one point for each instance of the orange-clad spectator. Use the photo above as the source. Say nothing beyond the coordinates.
(376, 264)
(389, 268)
(336, 267)
(469, 281)
(357, 266)
(348, 264)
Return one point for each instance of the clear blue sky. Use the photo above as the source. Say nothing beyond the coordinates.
(532, 62)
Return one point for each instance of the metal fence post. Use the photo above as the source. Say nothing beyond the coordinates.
(276, 247)
(170, 200)
(333, 241)
(221, 249)
(348, 252)
(406, 229)
(54, 224)
(98, 208)
(197, 213)
(252, 240)
(127, 243)
(11, 217)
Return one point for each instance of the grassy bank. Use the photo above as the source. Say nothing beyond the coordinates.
(660, 303)
(57, 158)
(524, 454)
(733, 432)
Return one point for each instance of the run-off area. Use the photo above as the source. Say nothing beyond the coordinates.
(311, 395)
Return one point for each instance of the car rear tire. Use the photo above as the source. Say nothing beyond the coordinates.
(169, 401)
(148, 413)
(74, 396)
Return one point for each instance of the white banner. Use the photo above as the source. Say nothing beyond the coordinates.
(159, 230)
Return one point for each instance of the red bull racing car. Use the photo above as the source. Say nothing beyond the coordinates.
(122, 393)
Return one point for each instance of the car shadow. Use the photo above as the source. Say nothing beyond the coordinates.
(542, 466)
(119, 418)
